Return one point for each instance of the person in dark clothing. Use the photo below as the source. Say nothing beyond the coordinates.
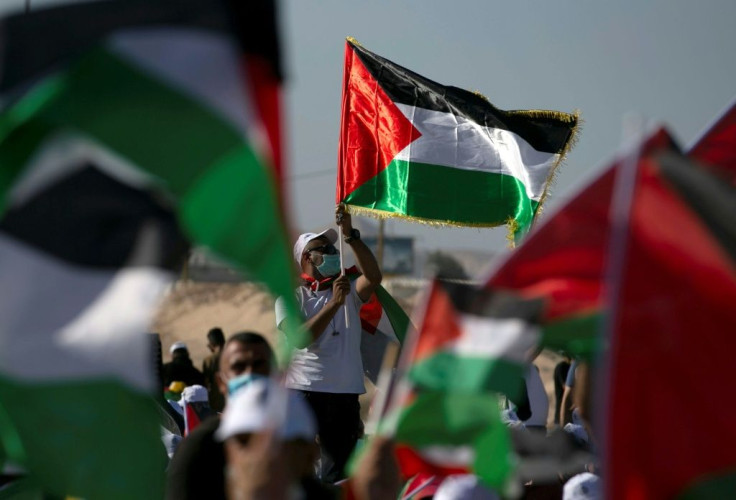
(181, 367)
(197, 469)
(210, 367)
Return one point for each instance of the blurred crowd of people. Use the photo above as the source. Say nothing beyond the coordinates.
(232, 430)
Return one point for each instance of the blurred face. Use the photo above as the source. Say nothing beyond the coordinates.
(241, 359)
(258, 466)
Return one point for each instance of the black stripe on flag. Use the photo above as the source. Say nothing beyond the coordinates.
(403, 86)
(476, 301)
(709, 196)
(68, 31)
(90, 219)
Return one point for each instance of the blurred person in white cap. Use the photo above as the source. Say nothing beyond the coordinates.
(195, 407)
(197, 470)
(269, 435)
(180, 368)
(328, 371)
(585, 486)
(464, 487)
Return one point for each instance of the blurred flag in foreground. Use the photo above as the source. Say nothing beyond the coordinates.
(668, 418)
(563, 261)
(444, 413)
(412, 148)
(473, 341)
(127, 130)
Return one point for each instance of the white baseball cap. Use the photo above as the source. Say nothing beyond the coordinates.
(260, 406)
(194, 394)
(303, 239)
(585, 486)
(177, 345)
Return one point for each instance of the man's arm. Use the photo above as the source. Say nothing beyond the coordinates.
(372, 276)
(321, 320)
(317, 323)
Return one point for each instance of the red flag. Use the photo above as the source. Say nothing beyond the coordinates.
(670, 417)
(563, 261)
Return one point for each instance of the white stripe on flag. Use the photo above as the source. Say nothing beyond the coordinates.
(454, 141)
(508, 338)
(448, 456)
(65, 322)
(62, 155)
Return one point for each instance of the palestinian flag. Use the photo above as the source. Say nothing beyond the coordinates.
(412, 148)
(128, 130)
(672, 335)
(563, 262)
(716, 148)
(472, 341)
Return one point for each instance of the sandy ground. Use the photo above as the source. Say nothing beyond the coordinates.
(191, 309)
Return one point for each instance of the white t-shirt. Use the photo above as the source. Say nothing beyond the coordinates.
(332, 363)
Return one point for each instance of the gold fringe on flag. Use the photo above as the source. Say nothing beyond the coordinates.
(353, 41)
(571, 143)
(382, 214)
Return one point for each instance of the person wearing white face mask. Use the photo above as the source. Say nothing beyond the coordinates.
(197, 468)
(328, 372)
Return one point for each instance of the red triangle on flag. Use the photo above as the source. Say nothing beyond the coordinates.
(440, 324)
(191, 419)
(373, 130)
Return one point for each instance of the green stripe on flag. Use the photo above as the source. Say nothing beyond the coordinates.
(107, 433)
(160, 130)
(228, 210)
(437, 193)
(396, 316)
(441, 419)
(449, 371)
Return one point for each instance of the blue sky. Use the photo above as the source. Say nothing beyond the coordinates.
(666, 60)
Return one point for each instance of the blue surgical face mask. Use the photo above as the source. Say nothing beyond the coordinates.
(237, 383)
(330, 265)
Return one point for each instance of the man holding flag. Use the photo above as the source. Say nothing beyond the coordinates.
(329, 371)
